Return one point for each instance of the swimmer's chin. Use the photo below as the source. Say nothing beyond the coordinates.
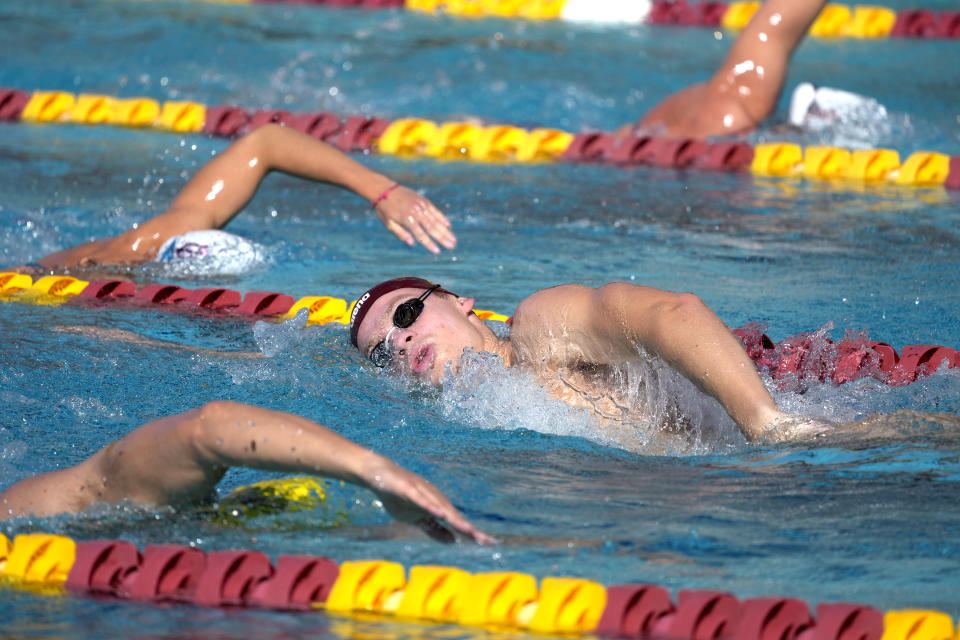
(441, 373)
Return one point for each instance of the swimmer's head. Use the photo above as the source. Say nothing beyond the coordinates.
(416, 326)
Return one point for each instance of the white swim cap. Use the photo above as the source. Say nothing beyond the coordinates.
(800, 103)
(218, 251)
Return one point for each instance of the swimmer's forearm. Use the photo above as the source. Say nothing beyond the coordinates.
(685, 333)
(224, 186)
(241, 435)
(705, 351)
(754, 70)
(777, 25)
(231, 434)
(296, 153)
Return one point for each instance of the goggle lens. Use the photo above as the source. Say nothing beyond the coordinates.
(404, 315)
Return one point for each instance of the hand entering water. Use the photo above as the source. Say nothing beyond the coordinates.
(786, 427)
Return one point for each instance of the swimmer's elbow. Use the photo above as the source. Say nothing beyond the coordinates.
(258, 144)
(685, 304)
(263, 132)
(205, 428)
(675, 311)
(623, 297)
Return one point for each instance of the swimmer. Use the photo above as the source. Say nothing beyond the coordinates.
(746, 87)
(220, 189)
(568, 336)
(179, 459)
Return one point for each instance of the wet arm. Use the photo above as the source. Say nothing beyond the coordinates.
(179, 459)
(756, 66)
(129, 337)
(222, 187)
(745, 88)
(226, 434)
(683, 331)
(225, 185)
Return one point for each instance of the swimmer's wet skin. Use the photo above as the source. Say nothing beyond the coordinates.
(746, 87)
(572, 328)
(224, 186)
(179, 460)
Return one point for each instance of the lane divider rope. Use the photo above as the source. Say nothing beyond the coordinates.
(804, 357)
(495, 143)
(172, 574)
(835, 20)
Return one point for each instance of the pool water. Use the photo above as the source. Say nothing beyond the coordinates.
(865, 519)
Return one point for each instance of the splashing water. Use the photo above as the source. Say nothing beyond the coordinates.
(649, 408)
(274, 339)
(282, 345)
(837, 118)
(856, 123)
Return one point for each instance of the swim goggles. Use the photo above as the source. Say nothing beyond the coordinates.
(404, 315)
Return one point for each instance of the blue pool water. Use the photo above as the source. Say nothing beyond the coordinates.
(871, 520)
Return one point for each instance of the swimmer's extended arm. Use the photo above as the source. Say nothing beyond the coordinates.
(746, 87)
(608, 324)
(222, 187)
(226, 184)
(179, 459)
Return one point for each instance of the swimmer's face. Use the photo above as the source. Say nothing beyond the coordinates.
(438, 336)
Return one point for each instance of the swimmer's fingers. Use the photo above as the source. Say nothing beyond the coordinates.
(411, 217)
(408, 497)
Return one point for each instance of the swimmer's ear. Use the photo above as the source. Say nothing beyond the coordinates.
(466, 305)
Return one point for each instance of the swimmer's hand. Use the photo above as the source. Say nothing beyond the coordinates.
(786, 427)
(410, 498)
(408, 215)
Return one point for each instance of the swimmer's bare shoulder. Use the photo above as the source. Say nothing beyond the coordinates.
(545, 316)
(545, 305)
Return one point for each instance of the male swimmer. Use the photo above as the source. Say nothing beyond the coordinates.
(220, 189)
(179, 460)
(569, 336)
(746, 87)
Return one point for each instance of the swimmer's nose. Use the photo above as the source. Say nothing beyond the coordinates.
(401, 342)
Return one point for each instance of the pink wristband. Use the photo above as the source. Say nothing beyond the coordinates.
(383, 196)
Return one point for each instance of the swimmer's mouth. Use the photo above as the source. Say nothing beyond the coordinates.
(422, 359)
